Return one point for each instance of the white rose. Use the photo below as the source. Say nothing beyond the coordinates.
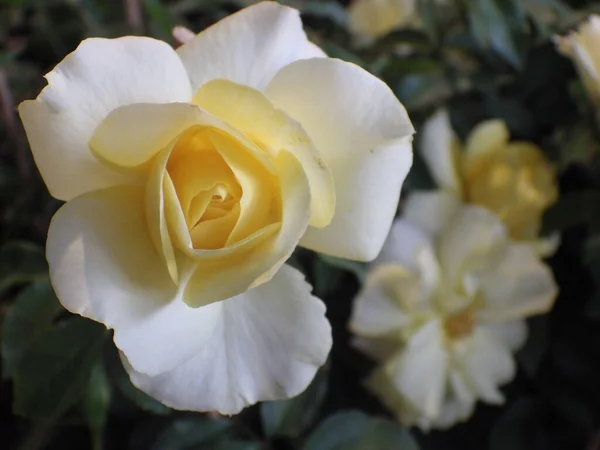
(582, 47)
(443, 316)
(190, 176)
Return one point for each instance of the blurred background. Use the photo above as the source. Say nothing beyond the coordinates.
(63, 386)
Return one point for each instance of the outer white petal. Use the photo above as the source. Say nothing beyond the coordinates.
(379, 307)
(402, 245)
(513, 334)
(436, 148)
(470, 241)
(420, 372)
(519, 285)
(364, 136)
(248, 47)
(486, 363)
(103, 265)
(265, 344)
(99, 76)
(408, 247)
(430, 211)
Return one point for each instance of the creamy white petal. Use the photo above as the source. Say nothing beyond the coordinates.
(103, 265)
(487, 363)
(437, 149)
(248, 47)
(518, 286)
(98, 77)
(364, 136)
(513, 334)
(378, 308)
(470, 241)
(266, 344)
(420, 371)
(430, 211)
(402, 245)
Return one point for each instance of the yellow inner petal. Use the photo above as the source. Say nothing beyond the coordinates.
(225, 192)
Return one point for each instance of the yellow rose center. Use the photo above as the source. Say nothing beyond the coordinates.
(461, 324)
(225, 193)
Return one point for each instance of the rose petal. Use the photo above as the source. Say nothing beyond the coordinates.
(265, 344)
(364, 136)
(98, 77)
(437, 149)
(250, 112)
(248, 47)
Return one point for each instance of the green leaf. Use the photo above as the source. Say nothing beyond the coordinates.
(185, 432)
(160, 16)
(96, 403)
(491, 23)
(334, 50)
(31, 315)
(359, 269)
(56, 368)
(290, 418)
(337, 431)
(234, 445)
(385, 435)
(120, 378)
(353, 430)
(21, 262)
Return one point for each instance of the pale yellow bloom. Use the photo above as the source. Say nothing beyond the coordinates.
(371, 19)
(443, 313)
(512, 179)
(190, 177)
(583, 47)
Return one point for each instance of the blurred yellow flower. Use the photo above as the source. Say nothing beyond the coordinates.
(371, 19)
(442, 315)
(512, 179)
(583, 47)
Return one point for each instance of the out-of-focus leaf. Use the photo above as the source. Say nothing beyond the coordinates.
(96, 403)
(428, 12)
(530, 356)
(509, 432)
(326, 277)
(492, 26)
(344, 428)
(334, 50)
(55, 370)
(423, 90)
(119, 377)
(290, 418)
(327, 10)
(572, 209)
(356, 431)
(234, 444)
(21, 262)
(386, 435)
(31, 315)
(399, 67)
(186, 432)
(359, 269)
(160, 16)
(416, 39)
